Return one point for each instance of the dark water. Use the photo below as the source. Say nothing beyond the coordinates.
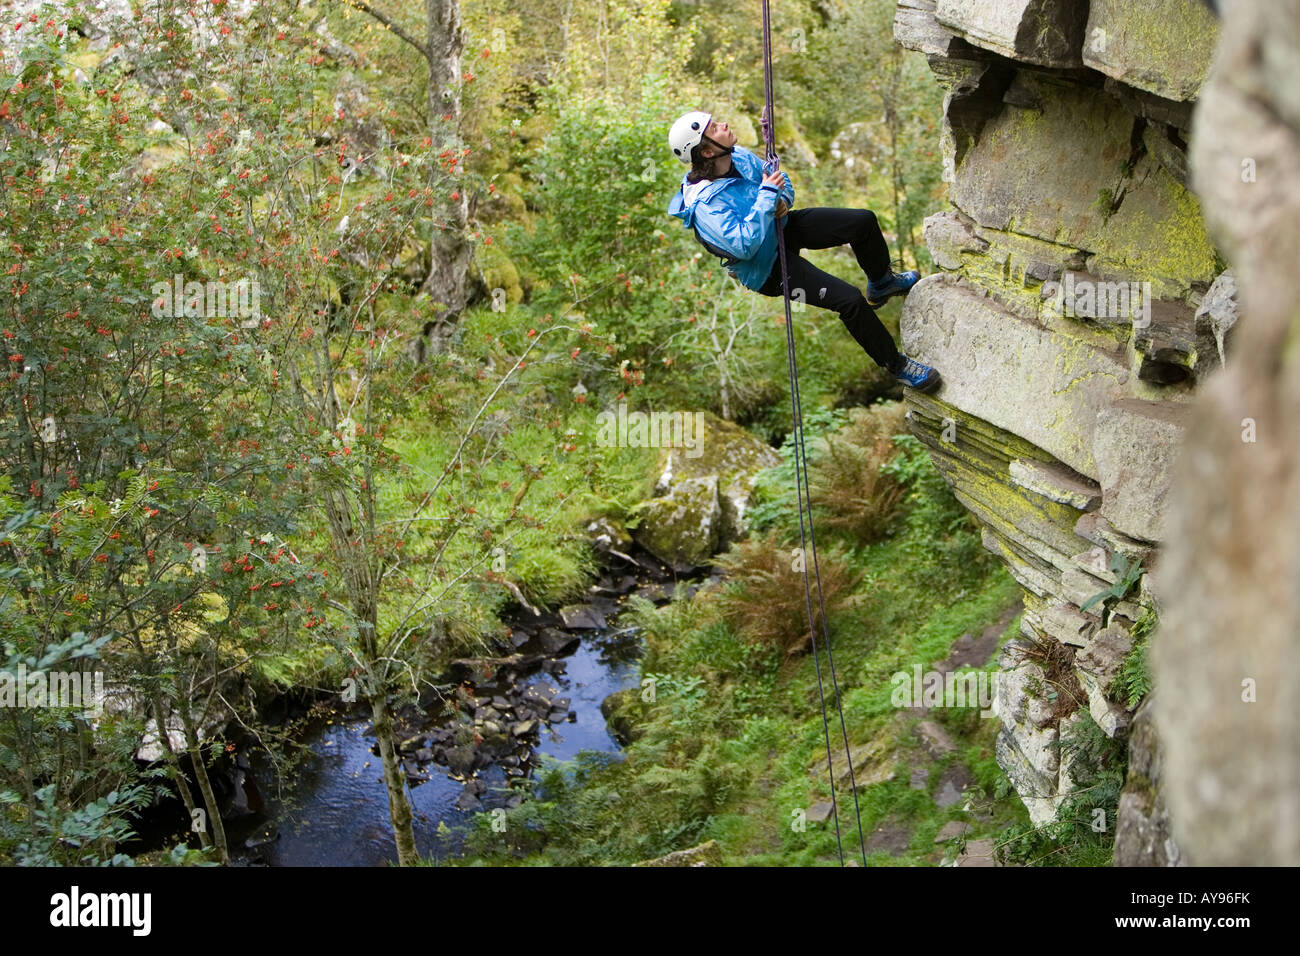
(338, 812)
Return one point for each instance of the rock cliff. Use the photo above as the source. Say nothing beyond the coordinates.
(1080, 306)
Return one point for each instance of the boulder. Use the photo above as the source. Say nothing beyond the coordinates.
(580, 617)
(872, 763)
(1136, 444)
(951, 831)
(682, 526)
(702, 495)
(623, 711)
(609, 535)
(706, 854)
(977, 853)
(263, 836)
(819, 812)
(935, 739)
(555, 641)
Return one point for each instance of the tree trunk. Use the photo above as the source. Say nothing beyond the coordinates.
(195, 748)
(399, 806)
(362, 580)
(174, 766)
(448, 281)
(160, 716)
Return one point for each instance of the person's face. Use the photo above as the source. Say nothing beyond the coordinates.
(721, 134)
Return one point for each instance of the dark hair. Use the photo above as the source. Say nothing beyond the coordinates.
(704, 167)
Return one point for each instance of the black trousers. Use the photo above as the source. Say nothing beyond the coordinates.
(822, 228)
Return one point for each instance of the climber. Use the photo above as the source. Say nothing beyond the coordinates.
(733, 208)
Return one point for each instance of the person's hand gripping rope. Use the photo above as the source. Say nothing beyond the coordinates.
(777, 179)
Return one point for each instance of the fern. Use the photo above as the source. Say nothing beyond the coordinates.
(850, 484)
(1133, 682)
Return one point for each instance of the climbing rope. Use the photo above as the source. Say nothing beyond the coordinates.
(807, 540)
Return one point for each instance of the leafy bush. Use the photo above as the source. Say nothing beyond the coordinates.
(1128, 571)
(59, 835)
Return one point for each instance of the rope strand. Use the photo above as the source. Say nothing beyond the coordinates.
(808, 542)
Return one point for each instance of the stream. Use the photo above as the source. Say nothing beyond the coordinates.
(541, 698)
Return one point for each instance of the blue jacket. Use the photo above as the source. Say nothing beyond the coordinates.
(736, 214)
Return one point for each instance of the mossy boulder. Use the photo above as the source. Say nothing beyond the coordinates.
(507, 202)
(706, 854)
(702, 495)
(624, 712)
(498, 272)
(681, 527)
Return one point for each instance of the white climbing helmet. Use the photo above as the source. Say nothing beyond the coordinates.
(687, 133)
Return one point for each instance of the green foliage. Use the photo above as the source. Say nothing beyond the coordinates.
(1133, 682)
(853, 70)
(775, 491)
(157, 468)
(81, 836)
(327, 478)
(50, 810)
(765, 601)
(598, 180)
(1128, 571)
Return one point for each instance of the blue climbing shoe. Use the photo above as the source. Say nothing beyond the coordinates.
(896, 283)
(915, 375)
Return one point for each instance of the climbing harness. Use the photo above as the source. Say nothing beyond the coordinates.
(807, 541)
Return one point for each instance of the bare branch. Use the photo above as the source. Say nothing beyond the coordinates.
(387, 21)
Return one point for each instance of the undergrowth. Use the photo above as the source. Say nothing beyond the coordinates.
(731, 745)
